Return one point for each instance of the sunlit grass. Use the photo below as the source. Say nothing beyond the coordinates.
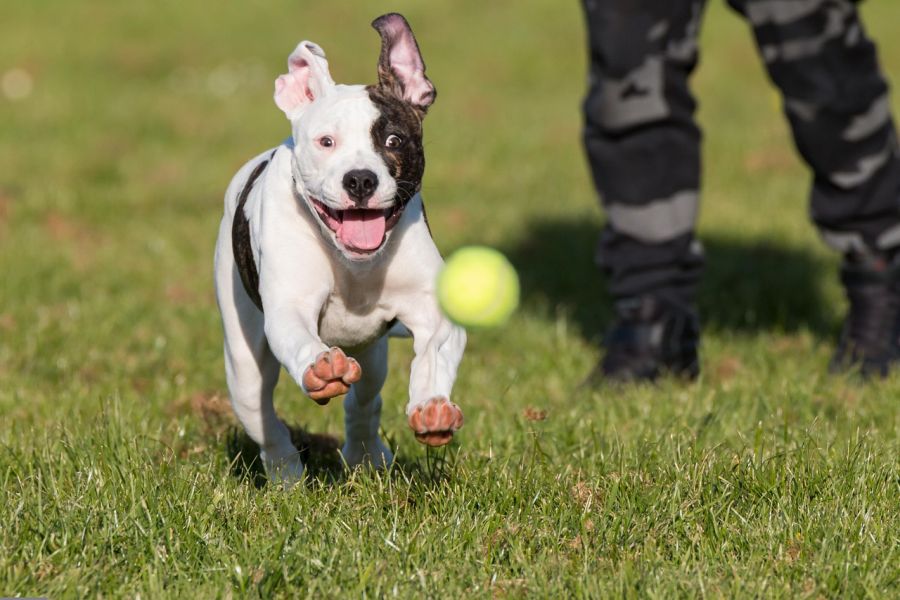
(123, 473)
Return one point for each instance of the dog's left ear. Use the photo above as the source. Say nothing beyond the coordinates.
(307, 79)
(401, 70)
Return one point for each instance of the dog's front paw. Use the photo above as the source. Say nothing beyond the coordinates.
(435, 422)
(330, 375)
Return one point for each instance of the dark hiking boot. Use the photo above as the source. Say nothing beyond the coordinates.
(870, 338)
(651, 336)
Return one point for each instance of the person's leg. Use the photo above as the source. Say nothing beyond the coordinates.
(836, 100)
(643, 146)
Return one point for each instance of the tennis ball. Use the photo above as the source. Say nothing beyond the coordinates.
(478, 287)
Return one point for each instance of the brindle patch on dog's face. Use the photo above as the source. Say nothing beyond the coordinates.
(342, 131)
(405, 159)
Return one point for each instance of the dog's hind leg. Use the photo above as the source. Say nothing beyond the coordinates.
(252, 373)
(362, 409)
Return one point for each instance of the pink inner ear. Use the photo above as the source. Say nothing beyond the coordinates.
(300, 68)
(407, 64)
(291, 90)
(295, 63)
(306, 80)
(303, 75)
(405, 55)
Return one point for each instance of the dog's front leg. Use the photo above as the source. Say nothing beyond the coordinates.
(438, 346)
(321, 372)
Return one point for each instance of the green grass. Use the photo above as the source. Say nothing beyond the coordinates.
(123, 474)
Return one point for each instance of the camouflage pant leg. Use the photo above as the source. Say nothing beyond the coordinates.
(836, 100)
(643, 144)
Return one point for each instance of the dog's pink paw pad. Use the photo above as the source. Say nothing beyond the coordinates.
(435, 423)
(332, 374)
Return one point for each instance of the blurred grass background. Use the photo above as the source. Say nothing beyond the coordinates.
(112, 170)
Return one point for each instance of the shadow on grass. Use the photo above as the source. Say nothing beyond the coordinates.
(320, 453)
(747, 286)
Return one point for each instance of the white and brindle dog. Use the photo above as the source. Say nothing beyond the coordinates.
(324, 248)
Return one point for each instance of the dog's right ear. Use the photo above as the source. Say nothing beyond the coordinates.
(307, 79)
(401, 70)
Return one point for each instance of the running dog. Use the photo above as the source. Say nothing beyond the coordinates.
(324, 248)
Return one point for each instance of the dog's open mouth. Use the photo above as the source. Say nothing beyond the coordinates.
(360, 230)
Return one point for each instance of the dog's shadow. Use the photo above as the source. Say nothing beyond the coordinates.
(747, 285)
(321, 456)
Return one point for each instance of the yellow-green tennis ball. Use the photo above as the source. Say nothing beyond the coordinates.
(478, 287)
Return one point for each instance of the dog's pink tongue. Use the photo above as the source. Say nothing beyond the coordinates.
(362, 229)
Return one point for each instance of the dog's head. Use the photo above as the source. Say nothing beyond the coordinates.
(358, 157)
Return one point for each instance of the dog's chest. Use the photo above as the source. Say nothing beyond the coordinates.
(353, 322)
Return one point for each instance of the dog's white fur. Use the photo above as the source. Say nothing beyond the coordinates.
(316, 294)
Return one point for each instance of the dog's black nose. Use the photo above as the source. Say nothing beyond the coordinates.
(360, 184)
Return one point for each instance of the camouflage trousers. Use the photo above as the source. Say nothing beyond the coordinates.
(643, 143)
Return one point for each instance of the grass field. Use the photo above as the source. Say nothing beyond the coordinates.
(121, 470)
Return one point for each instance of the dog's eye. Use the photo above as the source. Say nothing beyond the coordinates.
(393, 141)
(326, 141)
